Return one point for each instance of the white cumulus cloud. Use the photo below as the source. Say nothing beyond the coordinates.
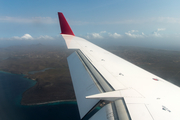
(115, 35)
(156, 33)
(25, 37)
(133, 35)
(102, 35)
(29, 37)
(97, 35)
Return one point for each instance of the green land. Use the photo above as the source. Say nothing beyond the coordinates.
(55, 84)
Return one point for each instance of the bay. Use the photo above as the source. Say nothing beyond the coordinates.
(12, 87)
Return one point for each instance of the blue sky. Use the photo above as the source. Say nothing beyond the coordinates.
(145, 23)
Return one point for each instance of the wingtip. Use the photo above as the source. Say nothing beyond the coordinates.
(65, 28)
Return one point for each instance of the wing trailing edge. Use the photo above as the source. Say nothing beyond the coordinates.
(82, 83)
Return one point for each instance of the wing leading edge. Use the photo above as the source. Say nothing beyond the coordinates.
(109, 87)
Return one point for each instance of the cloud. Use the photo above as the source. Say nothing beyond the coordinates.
(115, 35)
(29, 37)
(161, 29)
(24, 37)
(96, 35)
(157, 34)
(133, 35)
(167, 19)
(103, 34)
(132, 31)
(45, 20)
(49, 20)
(45, 37)
(150, 20)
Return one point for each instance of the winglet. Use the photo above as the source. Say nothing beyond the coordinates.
(65, 28)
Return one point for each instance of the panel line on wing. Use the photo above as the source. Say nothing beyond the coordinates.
(101, 80)
(149, 111)
(92, 72)
(119, 113)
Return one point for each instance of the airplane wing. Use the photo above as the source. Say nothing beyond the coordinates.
(108, 87)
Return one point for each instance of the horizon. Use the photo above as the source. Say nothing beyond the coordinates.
(61, 43)
(151, 24)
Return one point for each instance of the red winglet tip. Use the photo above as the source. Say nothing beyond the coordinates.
(65, 28)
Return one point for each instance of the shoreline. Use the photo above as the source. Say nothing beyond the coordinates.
(42, 103)
(50, 102)
(9, 72)
(35, 79)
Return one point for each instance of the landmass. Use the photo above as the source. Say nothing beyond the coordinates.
(53, 84)
(48, 66)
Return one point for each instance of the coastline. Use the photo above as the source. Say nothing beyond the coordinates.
(35, 79)
(42, 103)
(9, 72)
(12, 87)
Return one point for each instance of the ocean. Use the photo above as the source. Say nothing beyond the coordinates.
(12, 87)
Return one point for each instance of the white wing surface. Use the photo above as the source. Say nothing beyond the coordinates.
(111, 88)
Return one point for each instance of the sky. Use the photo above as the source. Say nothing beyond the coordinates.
(143, 23)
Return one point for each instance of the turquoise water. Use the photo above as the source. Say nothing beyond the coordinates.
(12, 87)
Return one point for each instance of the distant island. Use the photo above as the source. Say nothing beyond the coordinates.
(48, 66)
